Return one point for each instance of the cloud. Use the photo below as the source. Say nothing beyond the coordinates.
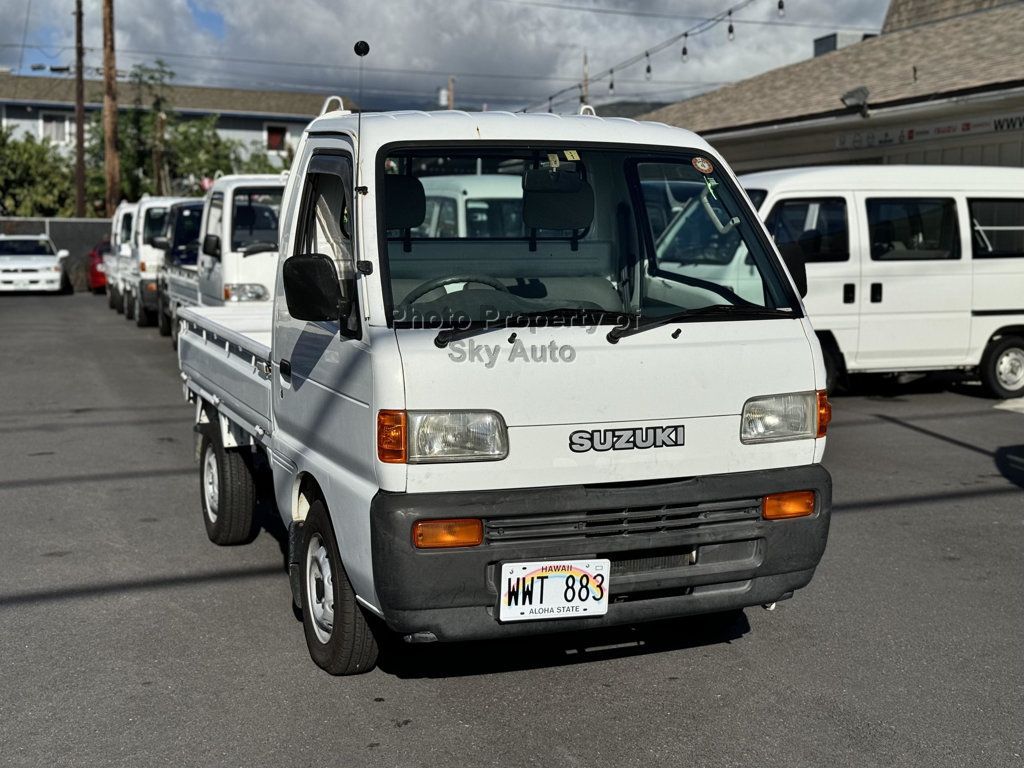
(506, 53)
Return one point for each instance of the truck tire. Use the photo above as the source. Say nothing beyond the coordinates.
(143, 317)
(1002, 367)
(163, 318)
(129, 306)
(175, 328)
(110, 297)
(119, 303)
(338, 635)
(227, 491)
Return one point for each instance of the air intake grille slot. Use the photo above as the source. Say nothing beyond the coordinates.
(602, 523)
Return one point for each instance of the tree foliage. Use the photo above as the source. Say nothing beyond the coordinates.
(35, 179)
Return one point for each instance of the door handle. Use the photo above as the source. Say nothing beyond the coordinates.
(849, 293)
(876, 293)
(285, 368)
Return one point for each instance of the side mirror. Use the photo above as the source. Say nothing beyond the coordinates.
(211, 246)
(160, 242)
(62, 254)
(793, 256)
(312, 290)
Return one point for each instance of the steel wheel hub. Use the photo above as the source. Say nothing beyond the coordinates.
(1010, 368)
(320, 588)
(211, 483)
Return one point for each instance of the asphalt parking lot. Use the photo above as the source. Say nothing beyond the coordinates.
(126, 638)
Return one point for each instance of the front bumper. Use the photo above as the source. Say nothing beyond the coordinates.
(34, 281)
(651, 533)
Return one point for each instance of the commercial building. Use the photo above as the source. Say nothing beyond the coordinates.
(942, 84)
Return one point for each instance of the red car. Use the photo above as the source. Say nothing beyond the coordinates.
(97, 278)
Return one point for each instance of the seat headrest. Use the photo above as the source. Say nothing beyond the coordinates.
(245, 216)
(544, 209)
(405, 202)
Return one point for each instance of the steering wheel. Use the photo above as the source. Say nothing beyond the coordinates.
(439, 282)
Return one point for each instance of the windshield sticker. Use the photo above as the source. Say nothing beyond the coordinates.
(572, 154)
(553, 159)
(703, 165)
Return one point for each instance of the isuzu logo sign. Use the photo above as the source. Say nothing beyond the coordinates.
(584, 440)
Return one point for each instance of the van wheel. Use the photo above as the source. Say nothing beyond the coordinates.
(1002, 367)
(338, 635)
(163, 318)
(228, 493)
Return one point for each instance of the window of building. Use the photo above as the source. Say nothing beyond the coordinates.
(997, 228)
(913, 229)
(55, 127)
(277, 138)
(818, 225)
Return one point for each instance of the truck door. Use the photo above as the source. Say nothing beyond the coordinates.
(322, 378)
(211, 268)
(819, 224)
(915, 288)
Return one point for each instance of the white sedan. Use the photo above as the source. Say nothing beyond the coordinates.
(31, 263)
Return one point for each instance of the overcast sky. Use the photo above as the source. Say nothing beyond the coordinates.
(503, 53)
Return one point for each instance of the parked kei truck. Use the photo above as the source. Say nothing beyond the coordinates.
(493, 436)
(120, 248)
(237, 259)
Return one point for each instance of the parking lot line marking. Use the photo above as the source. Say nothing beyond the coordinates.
(1011, 405)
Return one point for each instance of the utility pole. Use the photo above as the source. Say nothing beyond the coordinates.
(159, 176)
(111, 159)
(451, 93)
(585, 92)
(79, 114)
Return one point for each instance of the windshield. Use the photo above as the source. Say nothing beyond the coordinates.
(153, 223)
(186, 226)
(25, 247)
(601, 232)
(254, 216)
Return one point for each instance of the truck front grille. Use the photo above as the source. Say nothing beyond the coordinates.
(648, 520)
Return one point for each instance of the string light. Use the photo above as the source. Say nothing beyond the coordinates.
(782, 8)
(732, 31)
(647, 74)
(686, 53)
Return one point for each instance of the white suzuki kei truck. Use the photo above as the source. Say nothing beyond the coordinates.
(489, 437)
(120, 250)
(909, 268)
(140, 278)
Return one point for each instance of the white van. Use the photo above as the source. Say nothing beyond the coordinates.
(909, 268)
(487, 435)
(481, 205)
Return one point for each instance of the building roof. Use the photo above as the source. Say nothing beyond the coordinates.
(184, 98)
(903, 14)
(973, 52)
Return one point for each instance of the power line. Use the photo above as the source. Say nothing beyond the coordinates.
(696, 29)
(679, 17)
(24, 37)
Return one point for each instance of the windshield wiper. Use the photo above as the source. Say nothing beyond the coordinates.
(528, 319)
(732, 311)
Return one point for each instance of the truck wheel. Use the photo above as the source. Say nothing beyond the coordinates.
(228, 493)
(119, 303)
(163, 318)
(110, 297)
(175, 328)
(129, 306)
(1002, 367)
(339, 638)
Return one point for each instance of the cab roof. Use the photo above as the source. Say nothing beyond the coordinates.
(946, 178)
(247, 180)
(382, 128)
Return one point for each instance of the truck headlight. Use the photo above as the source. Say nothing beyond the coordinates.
(245, 292)
(424, 437)
(793, 416)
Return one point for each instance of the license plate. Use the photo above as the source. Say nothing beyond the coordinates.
(20, 284)
(554, 589)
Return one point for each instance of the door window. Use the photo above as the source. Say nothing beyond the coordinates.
(818, 225)
(215, 218)
(997, 228)
(913, 229)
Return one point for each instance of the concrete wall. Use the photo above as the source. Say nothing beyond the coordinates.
(77, 235)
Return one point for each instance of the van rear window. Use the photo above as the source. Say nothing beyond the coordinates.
(997, 228)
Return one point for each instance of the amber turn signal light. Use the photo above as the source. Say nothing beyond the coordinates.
(824, 412)
(781, 506)
(434, 534)
(391, 428)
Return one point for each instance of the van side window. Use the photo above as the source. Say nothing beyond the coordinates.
(818, 225)
(913, 229)
(997, 228)
(325, 223)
